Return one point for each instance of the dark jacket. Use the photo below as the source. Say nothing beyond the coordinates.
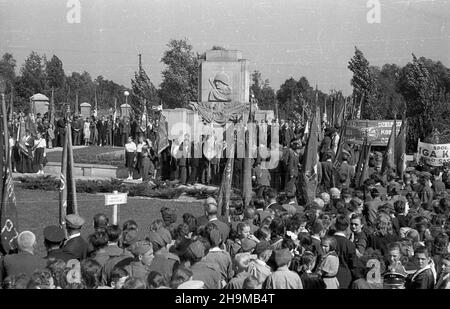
(22, 262)
(76, 248)
(346, 252)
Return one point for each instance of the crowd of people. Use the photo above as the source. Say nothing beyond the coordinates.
(389, 233)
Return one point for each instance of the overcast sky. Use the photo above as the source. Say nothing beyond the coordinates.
(281, 38)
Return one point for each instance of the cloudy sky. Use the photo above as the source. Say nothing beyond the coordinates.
(281, 38)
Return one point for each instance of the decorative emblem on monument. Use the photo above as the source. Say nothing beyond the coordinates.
(224, 87)
(221, 88)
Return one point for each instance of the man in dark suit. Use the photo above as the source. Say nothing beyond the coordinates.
(76, 130)
(346, 252)
(60, 127)
(101, 127)
(211, 217)
(327, 171)
(75, 245)
(53, 239)
(25, 261)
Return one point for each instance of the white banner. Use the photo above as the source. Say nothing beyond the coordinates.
(433, 154)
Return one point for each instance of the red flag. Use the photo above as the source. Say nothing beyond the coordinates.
(67, 191)
(389, 154)
(400, 149)
(9, 223)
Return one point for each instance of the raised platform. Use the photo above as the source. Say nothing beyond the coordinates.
(81, 169)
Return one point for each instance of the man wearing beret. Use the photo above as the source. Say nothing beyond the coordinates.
(258, 267)
(143, 257)
(201, 269)
(53, 240)
(75, 246)
(283, 278)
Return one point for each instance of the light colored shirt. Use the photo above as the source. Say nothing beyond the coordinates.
(131, 147)
(40, 143)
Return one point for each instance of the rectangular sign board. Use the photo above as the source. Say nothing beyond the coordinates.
(378, 131)
(433, 154)
(116, 199)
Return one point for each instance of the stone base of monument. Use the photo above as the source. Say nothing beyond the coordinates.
(81, 169)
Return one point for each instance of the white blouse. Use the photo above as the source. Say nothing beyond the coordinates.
(40, 143)
(130, 147)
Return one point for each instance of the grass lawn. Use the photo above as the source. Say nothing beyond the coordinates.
(85, 155)
(37, 209)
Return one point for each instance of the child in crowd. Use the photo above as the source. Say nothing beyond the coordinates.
(130, 157)
(330, 263)
(146, 165)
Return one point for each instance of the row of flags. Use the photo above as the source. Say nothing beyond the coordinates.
(8, 212)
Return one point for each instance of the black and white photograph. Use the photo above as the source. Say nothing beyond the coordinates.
(225, 145)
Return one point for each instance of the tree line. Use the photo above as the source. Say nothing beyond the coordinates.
(420, 89)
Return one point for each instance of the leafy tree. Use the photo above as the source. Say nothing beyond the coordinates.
(142, 90)
(363, 82)
(33, 78)
(55, 73)
(424, 94)
(7, 70)
(180, 77)
(263, 92)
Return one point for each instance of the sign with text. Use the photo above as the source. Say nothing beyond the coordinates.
(433, 154)
(378, 131)
(115, 199)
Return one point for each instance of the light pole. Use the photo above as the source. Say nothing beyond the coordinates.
(126, 94)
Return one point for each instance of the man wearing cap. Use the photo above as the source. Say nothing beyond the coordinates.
(164, 261)
(201, 269)
(25, 261)
(53, 240)
(143, 256)
(283, 278)
(258, 267)
(75, 246)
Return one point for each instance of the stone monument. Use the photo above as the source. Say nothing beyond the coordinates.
(85, 110)
(39, 103)
(224, 89)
